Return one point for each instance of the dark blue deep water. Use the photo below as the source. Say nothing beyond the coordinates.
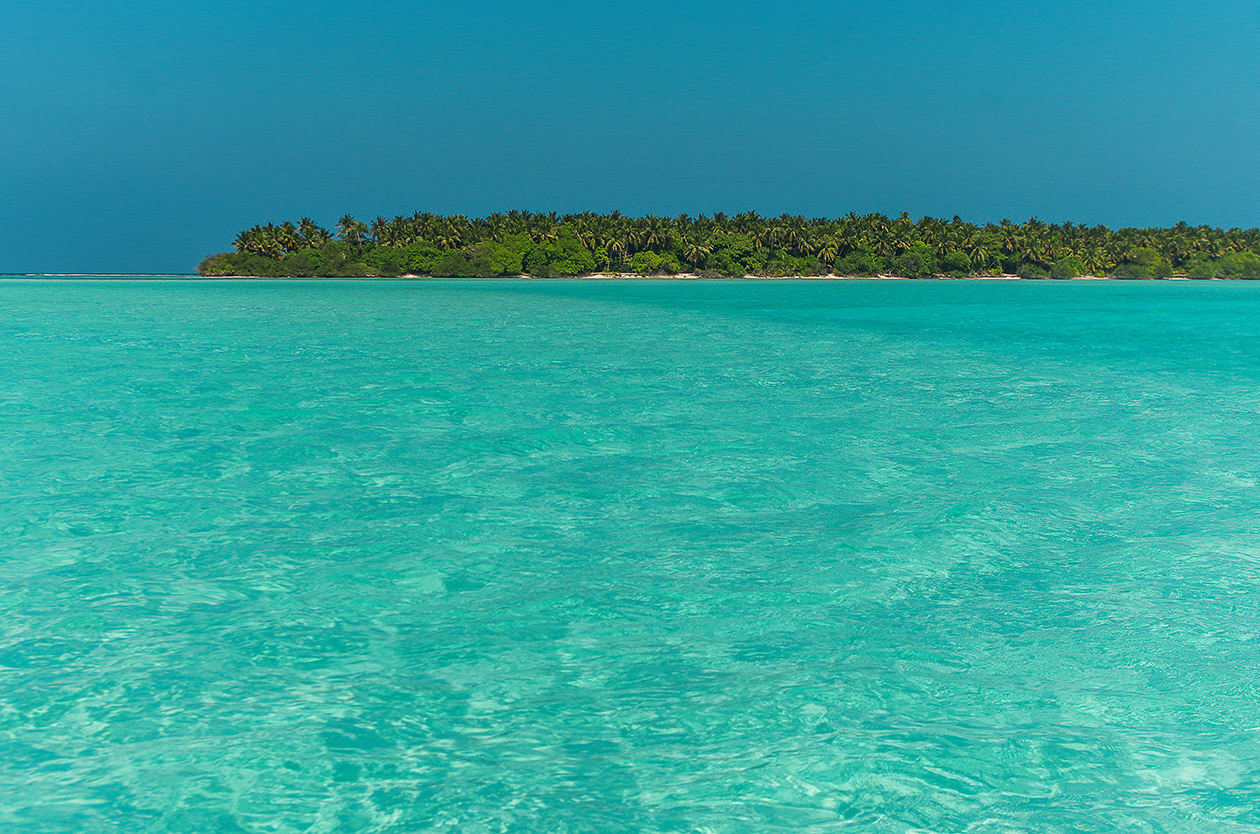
(585, 556)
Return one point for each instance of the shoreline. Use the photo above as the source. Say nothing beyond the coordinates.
(679, 276)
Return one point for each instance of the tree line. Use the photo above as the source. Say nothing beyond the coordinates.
(551, 244)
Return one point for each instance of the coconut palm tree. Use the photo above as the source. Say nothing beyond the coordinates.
(696, 249)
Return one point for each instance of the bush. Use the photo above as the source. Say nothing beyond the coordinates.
(567, 256)
(1245, 265)
(305, 262)
(1146, 263)
(785, 264)
(757, 262)
(506, 257)
(1032, 271)
(460, 263)
(219, 264)
(242, 263)
(645, 263)
(1202, 270)
(813, 266)
(723, 263)
(733, 254)
(654, 263)
(420, 258)
(780, 263)
(334, 255)
(859, 262)
(956, 264)
(1240, 265)
(385, 260)
(1069, 267)
(919, 261)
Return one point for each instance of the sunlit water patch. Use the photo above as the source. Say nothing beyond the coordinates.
(600, 556)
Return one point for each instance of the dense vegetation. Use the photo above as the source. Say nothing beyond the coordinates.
(521, 242)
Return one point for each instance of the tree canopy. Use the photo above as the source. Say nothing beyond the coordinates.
(550, 244)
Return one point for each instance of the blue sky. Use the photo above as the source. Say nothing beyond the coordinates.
(141, 136)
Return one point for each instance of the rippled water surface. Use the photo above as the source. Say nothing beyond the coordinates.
(639, 556)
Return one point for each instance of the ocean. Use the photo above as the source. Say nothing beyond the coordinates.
(640, 556)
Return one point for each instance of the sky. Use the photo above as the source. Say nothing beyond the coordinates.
(142, 135)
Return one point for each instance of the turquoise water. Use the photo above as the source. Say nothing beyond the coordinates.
(645, 556)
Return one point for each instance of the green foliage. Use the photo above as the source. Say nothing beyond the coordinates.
(783, 264)
(552, 244)
(1243, 265)
(384, 260)
(723, 263)
(219, 264)
(1069, 267)
(1202, 269)
(358, 269)
(860, 262)
(779, 263)
(1145, 262)
(420, 257)
(919, 261)
(956, 264)
(307, 262)
(1240, 265)
(460, 263)
(506, 257)
(242, 263)
(564, 256)
(733, 254)
(812, 266)
(653, 263)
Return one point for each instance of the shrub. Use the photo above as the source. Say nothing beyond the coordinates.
(654, 263)
(722, 263)
(1032, 271)
(956, 264)
(918, 261)
(780, 263)
(645, 263)
(813, 266)
(1240, 265)
(506, 257)
(420, 258)
(1202, 270)
(242, 263)
(385, 260)
(460, 263)
(1146, 263)
(733, 254)
(305, 262)
(859, 262)
(334, 254)
(219, 264)
(1069, 267)
(566, 256)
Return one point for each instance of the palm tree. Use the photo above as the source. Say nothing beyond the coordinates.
(696, 249)
(1099, 248)
(287, 237)
(312, 233)
(828, 249)
(351, 230)
(447, 234)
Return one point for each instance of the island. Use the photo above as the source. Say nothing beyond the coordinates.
(524, 243)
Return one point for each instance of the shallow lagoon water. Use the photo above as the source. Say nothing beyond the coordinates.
(582, 556)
